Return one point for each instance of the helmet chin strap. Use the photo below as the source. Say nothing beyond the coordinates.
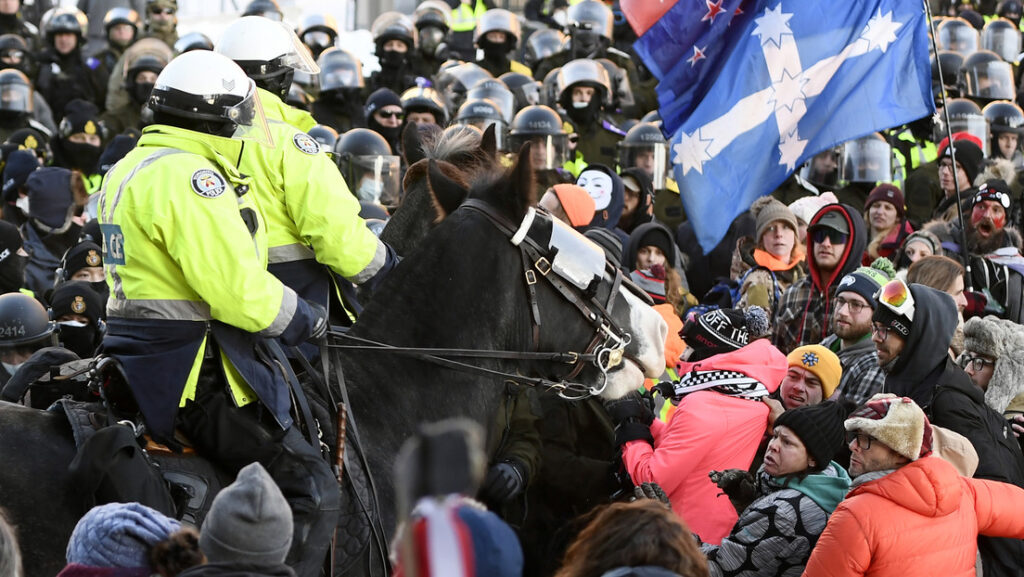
(278, 84)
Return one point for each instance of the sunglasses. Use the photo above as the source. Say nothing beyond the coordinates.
(397, 115)
(975, 362)
(834, 236)
(168, 11)
(895, 295)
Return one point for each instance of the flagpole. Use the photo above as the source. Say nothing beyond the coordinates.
(952, 152)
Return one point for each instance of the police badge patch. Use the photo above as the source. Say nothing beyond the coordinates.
(78, 307)
(207, 183)
(93, 259)
(305, 143)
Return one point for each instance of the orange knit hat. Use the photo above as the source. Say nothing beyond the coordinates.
(576, 202)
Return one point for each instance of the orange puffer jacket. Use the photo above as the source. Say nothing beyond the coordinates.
(921, 520)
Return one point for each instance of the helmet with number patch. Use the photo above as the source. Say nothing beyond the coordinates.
(23, 321)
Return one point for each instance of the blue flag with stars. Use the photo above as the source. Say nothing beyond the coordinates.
(796, 78)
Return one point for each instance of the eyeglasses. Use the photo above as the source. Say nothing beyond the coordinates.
(882, 332)
(855, 306)
(391, 114)
(158, 11)
(895, 295)
(863, 440)
(976, 362)
(834, 236)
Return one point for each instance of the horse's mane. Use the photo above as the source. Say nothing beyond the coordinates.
(460, 145)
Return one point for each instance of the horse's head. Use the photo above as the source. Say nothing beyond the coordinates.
(565, 296)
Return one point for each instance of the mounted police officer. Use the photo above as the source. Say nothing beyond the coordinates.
(312, 219)
(191, 305)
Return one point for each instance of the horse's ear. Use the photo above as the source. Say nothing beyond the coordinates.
(412, 144)
(446, 192)
(489, 143)
(522, 181)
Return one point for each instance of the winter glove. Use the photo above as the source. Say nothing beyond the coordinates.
(633, 431)
(652, 491)
(634, 407)
(504, 482)
(321, 324)
(737, 484)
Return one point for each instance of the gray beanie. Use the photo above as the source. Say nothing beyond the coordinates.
(1002, 340)
(118, 535)
(249, 522)
(767, 210)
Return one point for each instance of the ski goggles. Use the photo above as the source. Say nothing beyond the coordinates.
(896, 297)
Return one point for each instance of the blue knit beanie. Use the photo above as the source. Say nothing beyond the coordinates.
(118, 535)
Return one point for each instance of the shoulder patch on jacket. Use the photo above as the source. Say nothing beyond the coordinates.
(92, 63)
(207, 183)
(305, 143)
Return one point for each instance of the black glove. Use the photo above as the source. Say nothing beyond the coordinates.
(737, 484)
(652, 491)
(634, 407)
(321, 324)
(633, 431)
(504, 482)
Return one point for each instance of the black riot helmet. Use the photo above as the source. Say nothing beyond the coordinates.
(122, 15)
(1004, 117)
(192, 41)
(497, 20)
(15, 92)
(65, 21)
(23, 321)
(15, 53)
(542, 44)
(964, 116)
(543, 127)
(481, 113)
(368, 165)
(339, 70)
(1011, 10)
(325, 135)
(985, 77)
(454, 81)
(318, 32)
(495, 91)
(591, 25)
(433, 20)
(645, 147)
(265, 8)
(958, 35)
(525, 90)
(425, 99)
(949, 63)
(1002, 37)
(393, 26)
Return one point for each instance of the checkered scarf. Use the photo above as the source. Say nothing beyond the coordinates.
(730, 383)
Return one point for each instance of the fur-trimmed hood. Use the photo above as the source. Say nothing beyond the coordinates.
(1004, 341)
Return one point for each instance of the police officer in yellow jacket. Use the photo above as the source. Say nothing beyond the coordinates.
(312, 218)
(192, 308)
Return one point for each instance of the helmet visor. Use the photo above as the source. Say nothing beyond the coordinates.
(548, 151)
(16, 97)
(961, 39)
(866, 161)
(823, 169)
(1003, 41)
(990, 80)
(299, 57)
(249, 118)
(651, 157)
(975, 125)
(375, 178)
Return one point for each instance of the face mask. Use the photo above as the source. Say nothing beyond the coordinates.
(101, 289)
(141, 92)
(598, 185)
(580, 104)
(161, 25)
(369, 191)
(22, 204)
(84, 157)
(392, 59)
(584, 115)
(79, 338)
(430, 39)
(12, 273)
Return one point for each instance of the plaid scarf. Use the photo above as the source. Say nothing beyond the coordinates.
(731, 383)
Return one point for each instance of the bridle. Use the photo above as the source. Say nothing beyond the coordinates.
(606, 349)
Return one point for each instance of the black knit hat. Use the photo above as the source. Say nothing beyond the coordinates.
(82, 255)
(820, 428)
(80, 116)
(656, 237)
(77, 297)
(379, 99)
(724, 330)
